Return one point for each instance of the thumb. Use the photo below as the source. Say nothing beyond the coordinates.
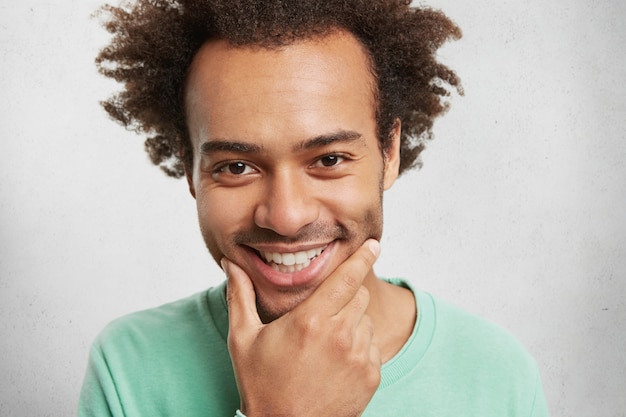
(241, 298)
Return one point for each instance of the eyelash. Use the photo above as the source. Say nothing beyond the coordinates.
(222, 168)
(338, 157)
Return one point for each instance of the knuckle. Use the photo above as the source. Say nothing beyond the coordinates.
(371, 368)
(343, 341)
(363, 296)
(372, 378)
(351, 280)
(361, 299)
(310, 325)
(335, 294)
(234, 343)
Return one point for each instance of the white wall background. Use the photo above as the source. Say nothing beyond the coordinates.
(518, 213)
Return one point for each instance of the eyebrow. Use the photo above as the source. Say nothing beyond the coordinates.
(222, 145)
(236, 146)
(342, 136)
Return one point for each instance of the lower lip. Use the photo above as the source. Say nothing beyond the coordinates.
(302, 278)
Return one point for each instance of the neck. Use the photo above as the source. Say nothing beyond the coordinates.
(393, 313)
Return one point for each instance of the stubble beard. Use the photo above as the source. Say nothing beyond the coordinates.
(372, 226)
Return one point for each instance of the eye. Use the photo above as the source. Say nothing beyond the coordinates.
(234, 168)
(331, 160)
(237, 168)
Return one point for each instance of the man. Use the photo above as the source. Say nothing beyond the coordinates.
(289, 119)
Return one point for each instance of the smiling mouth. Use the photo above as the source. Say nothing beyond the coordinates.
(289, 262)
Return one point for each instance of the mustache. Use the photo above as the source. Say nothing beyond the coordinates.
(314, 232)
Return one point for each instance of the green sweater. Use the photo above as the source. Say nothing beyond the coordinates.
(173, 361)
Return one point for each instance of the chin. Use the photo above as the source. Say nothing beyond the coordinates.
(270, 310)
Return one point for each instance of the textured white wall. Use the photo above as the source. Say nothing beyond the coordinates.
(517, 214)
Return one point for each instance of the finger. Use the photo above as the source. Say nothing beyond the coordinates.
(364, 333)
(364, 343)
(241, 298)
(354, 311)
(375, 356)
(342, 285)
(376, 364)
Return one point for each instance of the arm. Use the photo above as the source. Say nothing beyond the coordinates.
(540, 407)
(98, 397)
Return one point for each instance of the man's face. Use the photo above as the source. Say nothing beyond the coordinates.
(288, 173)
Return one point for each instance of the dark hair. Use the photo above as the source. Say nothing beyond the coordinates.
(155, 41)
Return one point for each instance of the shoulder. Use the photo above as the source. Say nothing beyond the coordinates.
(468, 341)
(165, 358)
(461, 364)
(476, 332)
(479, 348)
(157, 319)
(184, 319)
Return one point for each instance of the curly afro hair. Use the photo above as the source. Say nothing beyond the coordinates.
(155, 41)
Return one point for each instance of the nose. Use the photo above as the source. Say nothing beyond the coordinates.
(287, 205)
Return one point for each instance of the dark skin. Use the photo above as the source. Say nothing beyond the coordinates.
(286, 161)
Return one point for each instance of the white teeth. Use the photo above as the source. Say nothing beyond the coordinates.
(276, 258)
(300, 257)
(291, 262)
(289, 259)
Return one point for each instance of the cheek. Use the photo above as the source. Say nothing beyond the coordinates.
(221, 212)
(357, 203)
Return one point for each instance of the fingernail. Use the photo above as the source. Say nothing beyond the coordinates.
(374, 247)
(223, 262)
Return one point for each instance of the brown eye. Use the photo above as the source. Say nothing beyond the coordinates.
(234, 173)
(236, 168)
(330, 160)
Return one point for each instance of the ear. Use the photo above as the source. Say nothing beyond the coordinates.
(189, 176)
(392, 157)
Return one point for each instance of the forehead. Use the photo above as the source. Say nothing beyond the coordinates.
(300, 85)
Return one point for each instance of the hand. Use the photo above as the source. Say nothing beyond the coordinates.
(316, 360)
